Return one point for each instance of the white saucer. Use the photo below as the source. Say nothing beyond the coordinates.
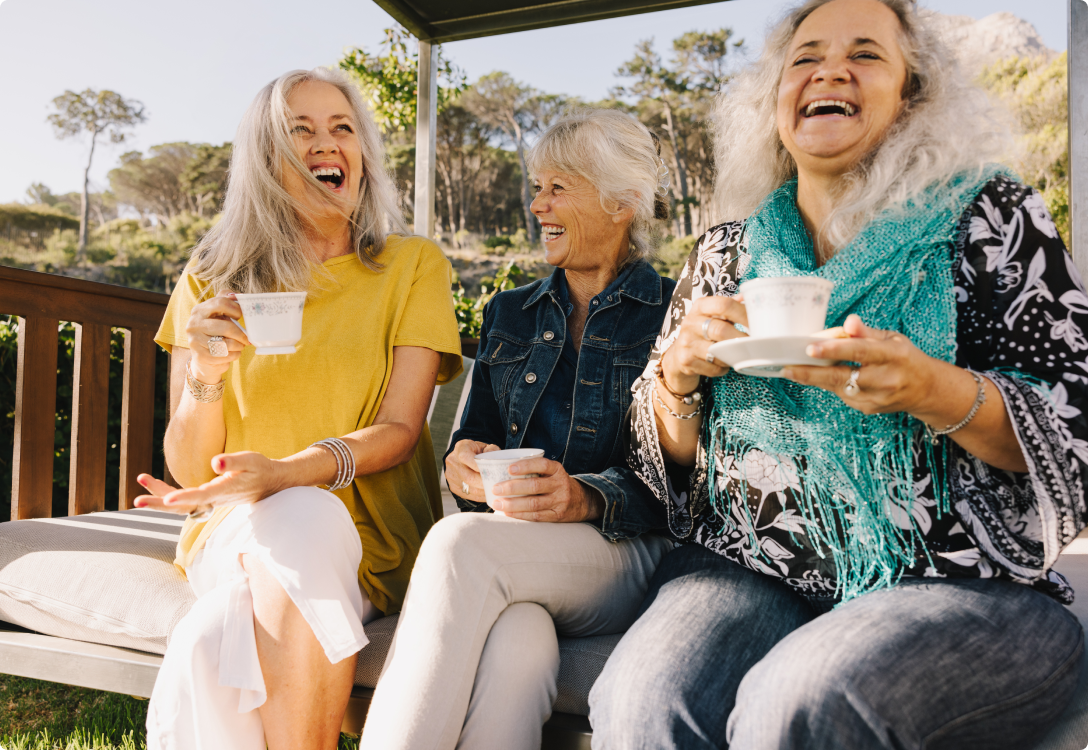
(766, 357)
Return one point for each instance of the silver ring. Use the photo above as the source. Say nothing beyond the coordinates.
(851, 388)
(706, 327)
(202, 513)
(710, 358)
(217, 347)
(465, 488)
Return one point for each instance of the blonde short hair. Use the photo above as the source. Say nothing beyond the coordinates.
(259, 244)
(617, 155)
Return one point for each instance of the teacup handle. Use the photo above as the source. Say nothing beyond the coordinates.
(232, 320)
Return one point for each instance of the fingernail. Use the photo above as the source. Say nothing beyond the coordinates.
(787, 373)
(142, 481)
(218, 464)
(813, 350)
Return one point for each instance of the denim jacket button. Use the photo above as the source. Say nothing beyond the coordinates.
(548, 335)
(530, 378)
(513, 429)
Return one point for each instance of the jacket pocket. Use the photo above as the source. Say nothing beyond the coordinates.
(506, 359)
(627, 365)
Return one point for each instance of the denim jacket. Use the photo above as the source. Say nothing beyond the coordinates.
(523, 334)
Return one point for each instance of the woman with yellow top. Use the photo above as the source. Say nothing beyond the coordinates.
(286, 573)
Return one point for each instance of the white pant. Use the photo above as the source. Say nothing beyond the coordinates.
(210, 684)
(475, 658)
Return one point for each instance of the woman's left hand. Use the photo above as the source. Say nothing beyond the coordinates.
(245, 477)
(553, 497)
(895, 375)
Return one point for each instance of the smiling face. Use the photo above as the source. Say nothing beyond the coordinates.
(842, 85)
(579, 235)
(323, 131)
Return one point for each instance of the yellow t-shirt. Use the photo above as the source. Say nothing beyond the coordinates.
(279, 404)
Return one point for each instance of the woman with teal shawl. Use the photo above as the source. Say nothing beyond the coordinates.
(867, 548)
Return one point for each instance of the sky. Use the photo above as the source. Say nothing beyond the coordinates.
(196, 64)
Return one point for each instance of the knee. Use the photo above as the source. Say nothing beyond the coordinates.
(522, 650)
(631, 702)
(316, 519)
(456, 542)
(197, 637)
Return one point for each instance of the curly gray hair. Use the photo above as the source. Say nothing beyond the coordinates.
(946, 127)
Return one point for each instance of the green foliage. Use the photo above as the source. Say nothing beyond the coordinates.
(470, 312)
(1037, 95)
(389, 79)
(62, 435)
(95, 112)
(37, 218)
(173, 178)
(673, 254)
(491, 243)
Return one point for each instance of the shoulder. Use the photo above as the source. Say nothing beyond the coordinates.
(517, 297)
(190, 290)
(1004, 201)
(412, 252)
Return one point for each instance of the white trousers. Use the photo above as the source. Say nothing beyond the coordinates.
(475, 658)
(210, 685)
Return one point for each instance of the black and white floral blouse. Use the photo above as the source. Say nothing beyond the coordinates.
(1020, 305)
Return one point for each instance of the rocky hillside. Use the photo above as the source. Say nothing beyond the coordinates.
(986, 40)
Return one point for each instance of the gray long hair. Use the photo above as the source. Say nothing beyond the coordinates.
(259, 244)
(616, 154)
(947, 126)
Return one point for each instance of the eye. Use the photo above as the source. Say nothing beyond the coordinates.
(301, 129)
(805, 59)
(866, 56)
(556, 187)
(346, 128)
(536, 187)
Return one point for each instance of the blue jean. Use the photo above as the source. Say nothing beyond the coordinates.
(721, 656)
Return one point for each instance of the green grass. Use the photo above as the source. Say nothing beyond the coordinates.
(36, 715)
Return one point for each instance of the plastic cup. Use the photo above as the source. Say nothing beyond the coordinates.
(495, 468)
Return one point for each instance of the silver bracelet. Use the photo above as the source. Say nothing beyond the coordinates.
(345, 462)
(673, 414)
(202, 392)
(980, 399)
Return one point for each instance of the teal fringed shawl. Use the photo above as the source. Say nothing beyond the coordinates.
(897, 275)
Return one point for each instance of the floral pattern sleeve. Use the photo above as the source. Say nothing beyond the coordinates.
(1022, 317)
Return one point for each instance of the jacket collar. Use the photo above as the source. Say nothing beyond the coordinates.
(639, 282)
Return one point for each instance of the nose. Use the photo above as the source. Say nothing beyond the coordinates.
(540, 206)
(323, 142)
(834, 69)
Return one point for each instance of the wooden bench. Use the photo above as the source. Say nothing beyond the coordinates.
(46, 639)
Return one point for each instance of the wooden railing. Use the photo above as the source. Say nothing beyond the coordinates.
(42, 301)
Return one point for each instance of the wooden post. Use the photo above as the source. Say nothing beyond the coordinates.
(35, 419)
(426, 146)
(137, 414)
(90, 393)
(1078, 133)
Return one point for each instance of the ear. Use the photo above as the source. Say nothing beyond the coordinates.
(624, 215)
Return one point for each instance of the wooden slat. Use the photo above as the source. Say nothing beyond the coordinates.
(137, 414)
(43, 295)
(90, 394)
(35, 419)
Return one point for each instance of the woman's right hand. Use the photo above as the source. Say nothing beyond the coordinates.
(462, 471)
(685, 360)
(214, 317)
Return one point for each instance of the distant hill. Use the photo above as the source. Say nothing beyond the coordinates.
(996, 37)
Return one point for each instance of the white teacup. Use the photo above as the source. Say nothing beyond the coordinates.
(786, 306)
(273, 320)
(495, 468)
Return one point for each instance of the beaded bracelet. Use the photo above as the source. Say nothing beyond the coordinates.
(674, 414)
(345, 462)
(688, 398)
(980, 399)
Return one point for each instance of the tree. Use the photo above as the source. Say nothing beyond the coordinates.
(173, 178)
(1037, 95)
(97, 113)
(390, 79)
(517, 111)
(205, 177)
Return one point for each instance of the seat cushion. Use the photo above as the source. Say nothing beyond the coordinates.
(1071, 730)
(103, 577)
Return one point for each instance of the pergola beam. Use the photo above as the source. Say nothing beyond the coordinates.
(426, 149)
(1078, 133)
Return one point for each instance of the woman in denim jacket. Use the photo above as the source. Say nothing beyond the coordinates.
(476, 655)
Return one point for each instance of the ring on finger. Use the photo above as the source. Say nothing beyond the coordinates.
(202, 512)
(465, 488)
(852, 388)
(710, 358)
(706, 329)
(217, 347)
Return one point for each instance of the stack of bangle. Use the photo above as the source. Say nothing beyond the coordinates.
(345, 462)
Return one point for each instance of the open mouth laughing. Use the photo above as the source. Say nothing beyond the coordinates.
(331, 176)
(835, 107)
(552, 232)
